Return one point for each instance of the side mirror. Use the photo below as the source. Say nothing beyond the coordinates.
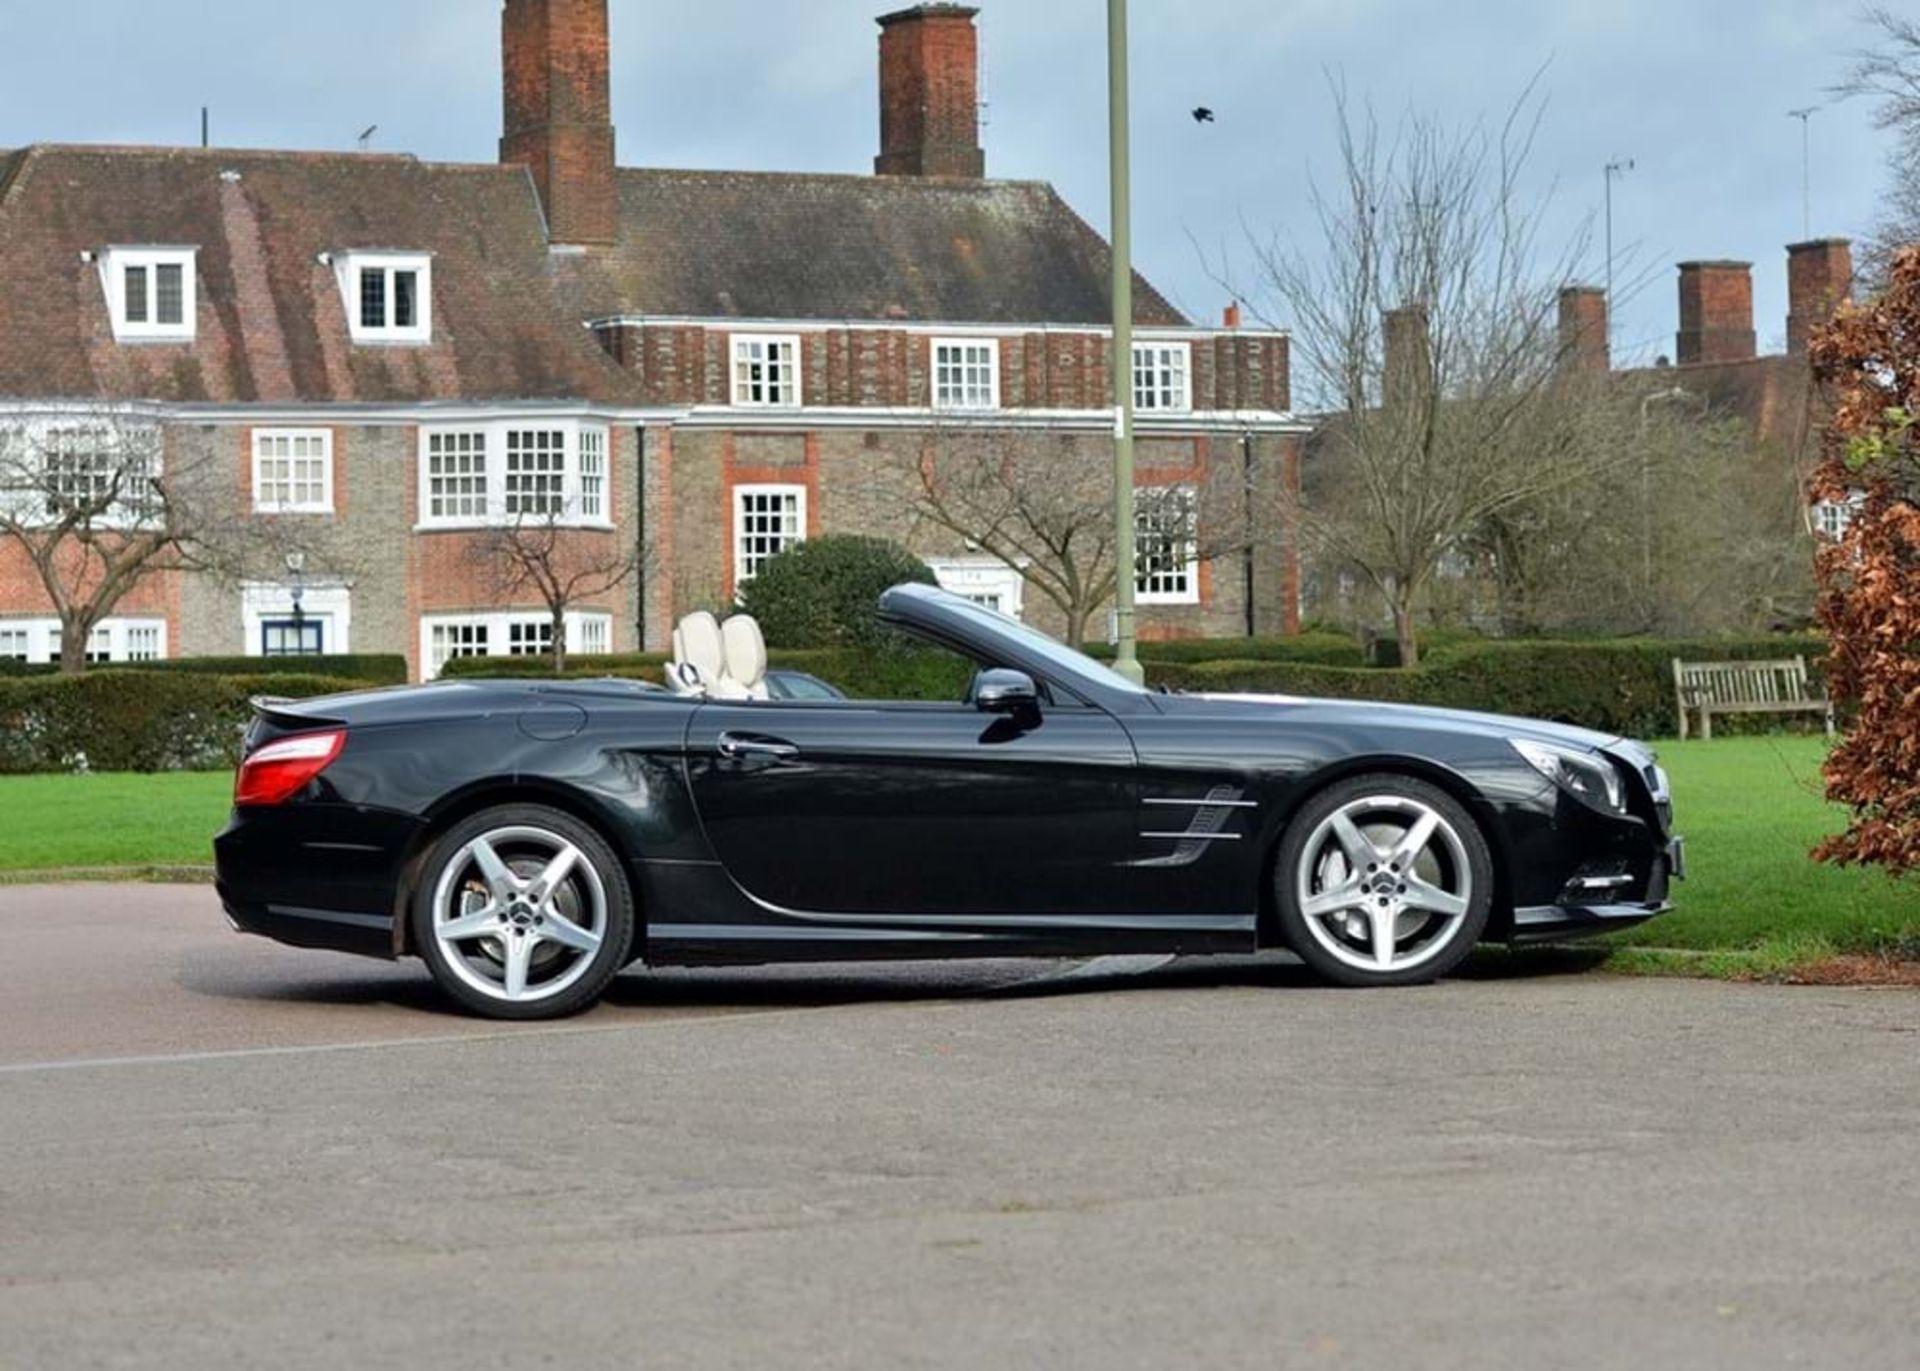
(1002, 691)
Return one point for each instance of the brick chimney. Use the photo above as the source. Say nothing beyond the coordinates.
(1583, 329)
(559, 114)
(1716, 312)
(930, 93)
(1819, 278)
(1409, 355)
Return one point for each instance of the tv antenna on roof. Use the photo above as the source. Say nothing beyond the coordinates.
(366, 136)
(1615, 169)
(1805, 116)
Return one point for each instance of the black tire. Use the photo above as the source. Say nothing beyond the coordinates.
(597, 885)
(1461, 867)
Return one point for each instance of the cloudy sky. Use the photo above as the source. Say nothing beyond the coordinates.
(1696, 92)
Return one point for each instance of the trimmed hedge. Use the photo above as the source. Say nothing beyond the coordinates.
(377, 668)
(1323, 649)
(137, 721)
(1623, 687)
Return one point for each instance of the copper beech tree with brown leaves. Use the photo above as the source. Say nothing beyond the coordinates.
(1868, 359)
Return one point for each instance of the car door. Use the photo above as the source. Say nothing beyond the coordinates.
(914, 811)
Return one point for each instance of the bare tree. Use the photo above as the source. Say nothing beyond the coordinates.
(1043, 504)
(99, 505)
(564, 566)
(1887, 72)
(1699, 529)
(1424, 323)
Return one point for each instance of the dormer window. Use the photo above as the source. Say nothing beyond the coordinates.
(151, 293)
(388, 296)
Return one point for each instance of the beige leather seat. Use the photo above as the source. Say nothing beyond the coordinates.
(699, 657)
(746, 654)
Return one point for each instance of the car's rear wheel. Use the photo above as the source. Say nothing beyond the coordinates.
(1383, 880)
(523, 912)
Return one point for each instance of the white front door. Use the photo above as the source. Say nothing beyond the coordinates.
(984, 580)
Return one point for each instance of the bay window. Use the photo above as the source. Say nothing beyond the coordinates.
(528, 633)
(510, 472)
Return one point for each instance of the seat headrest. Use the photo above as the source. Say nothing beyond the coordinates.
(701, 646)
(746, 649)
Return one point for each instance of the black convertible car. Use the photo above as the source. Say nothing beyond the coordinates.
(529, 840)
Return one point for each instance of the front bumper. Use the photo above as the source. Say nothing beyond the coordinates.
(1575, 917)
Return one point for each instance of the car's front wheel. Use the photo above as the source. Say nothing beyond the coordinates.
(1383, 880)
(523, 912)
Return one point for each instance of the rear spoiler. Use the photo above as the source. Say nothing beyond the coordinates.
(282, 715)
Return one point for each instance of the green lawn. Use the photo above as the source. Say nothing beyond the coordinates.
(1750, 807)
(49, 822)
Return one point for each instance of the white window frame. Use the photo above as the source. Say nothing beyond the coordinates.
(786, 393)
(980, 578)
(112, 638)
(1832, 518)
(494, 445)
(351, 267)
(742, 572)
(1186, 575)
(262, 437)
(964, 395)
(1163, 377)
(496, 629)
(328, 603)
(115, 262)
(25, 448)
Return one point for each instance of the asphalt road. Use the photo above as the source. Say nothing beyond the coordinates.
(215, 1153)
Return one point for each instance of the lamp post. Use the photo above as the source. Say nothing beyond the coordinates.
(1126, 656)
(297, 585)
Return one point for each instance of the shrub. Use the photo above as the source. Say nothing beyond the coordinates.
(823, 592)
(1868, 358)
(137, 721)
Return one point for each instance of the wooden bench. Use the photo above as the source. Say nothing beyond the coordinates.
(1780, 687)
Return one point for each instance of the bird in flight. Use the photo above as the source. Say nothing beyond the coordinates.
(1203, 115)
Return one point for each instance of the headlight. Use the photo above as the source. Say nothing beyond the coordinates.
(1590, 777)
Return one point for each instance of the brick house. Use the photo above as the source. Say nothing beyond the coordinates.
(393, 356)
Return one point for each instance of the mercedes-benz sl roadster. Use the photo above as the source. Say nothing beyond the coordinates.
(529, 840)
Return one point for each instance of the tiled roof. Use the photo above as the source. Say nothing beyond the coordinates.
(272, 326)
(508, 313)
(789, 246)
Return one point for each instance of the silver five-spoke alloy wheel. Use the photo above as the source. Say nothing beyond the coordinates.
(1384, 883)
(519, 914)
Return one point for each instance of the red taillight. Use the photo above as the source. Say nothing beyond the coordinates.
(282, 769)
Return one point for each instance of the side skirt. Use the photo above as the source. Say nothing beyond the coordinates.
(741, 930)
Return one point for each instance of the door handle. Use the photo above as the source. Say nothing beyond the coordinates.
(736, 747)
